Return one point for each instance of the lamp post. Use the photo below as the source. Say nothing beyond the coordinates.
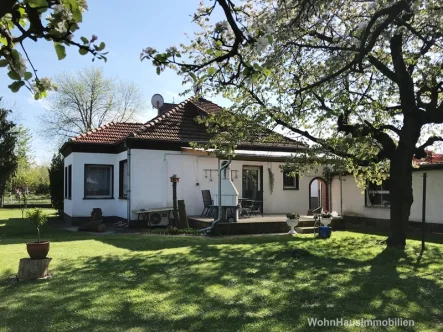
(174, 179)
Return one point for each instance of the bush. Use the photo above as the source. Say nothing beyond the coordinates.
(293, 216)
(174, 231)
(56, 173)
(42, 188)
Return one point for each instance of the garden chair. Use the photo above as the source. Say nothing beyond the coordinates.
(244, 209)
(256, 208)
(207, 203)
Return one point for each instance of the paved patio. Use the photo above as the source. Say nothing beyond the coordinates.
(268, 224)
(256, 219)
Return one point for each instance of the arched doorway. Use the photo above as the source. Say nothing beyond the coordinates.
(318, 194)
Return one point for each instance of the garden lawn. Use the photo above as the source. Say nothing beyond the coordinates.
(167, 283)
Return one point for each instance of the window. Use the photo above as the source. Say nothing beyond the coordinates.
(123, 179)
(68, 182)
(378, 195)
(290, 182)
(98, 181)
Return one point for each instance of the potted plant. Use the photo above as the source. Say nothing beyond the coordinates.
(39, 249)
(292, 221)
(326, 217)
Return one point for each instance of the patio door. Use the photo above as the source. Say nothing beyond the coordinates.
(252, 183)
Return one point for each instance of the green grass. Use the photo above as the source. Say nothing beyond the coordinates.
(184, 283)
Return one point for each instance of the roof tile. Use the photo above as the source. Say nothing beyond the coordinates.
(107, 134)
(176, 123)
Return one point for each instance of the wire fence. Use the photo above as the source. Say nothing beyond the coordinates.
(11, 199)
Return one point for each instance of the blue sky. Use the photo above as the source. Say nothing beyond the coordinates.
(126, 30)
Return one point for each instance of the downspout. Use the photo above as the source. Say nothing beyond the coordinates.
(128, 195)
(220, 170)
(341, 194)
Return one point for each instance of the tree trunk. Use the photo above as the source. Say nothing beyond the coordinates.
(2, 196)
(33, 268)
(401, 186)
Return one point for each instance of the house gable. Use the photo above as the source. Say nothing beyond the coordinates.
(175, 127)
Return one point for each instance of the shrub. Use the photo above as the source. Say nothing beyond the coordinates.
(56, 173)
(326, 214)
(293, 216)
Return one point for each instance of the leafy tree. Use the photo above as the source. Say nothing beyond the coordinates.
(21, 180)
(361, 80)
(87, 100)
(40, 177)
(51, 20)
(8, 158)
(56, 173)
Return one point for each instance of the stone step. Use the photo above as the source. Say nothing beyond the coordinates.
(306, 230)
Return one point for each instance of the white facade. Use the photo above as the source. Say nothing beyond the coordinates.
(150, 186)
(353, 198)
(78, 206)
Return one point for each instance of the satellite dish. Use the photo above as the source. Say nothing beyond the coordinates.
(157, 101)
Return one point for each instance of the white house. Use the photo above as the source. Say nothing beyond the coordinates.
(122, 167)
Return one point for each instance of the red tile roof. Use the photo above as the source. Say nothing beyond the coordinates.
(177, 123)
(432, 158)
(108, 134)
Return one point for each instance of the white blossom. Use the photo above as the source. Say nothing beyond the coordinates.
(61, 27)
(362, 26)
(221, 26)
(45, 83)
(261, 44)
(172, 50)
(59, 9)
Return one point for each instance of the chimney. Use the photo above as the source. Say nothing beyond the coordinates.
(166, 107)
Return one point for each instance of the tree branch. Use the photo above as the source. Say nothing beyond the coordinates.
(405, 82)
(382, 68)
(420, 151)
(363, 130)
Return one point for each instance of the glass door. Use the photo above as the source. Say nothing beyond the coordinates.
(252, 182)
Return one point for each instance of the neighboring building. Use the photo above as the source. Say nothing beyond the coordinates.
(122, 167)
(373, 204)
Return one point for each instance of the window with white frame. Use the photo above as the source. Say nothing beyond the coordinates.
(123, 179)
(99, 181)
(68, 182)
(378, 195)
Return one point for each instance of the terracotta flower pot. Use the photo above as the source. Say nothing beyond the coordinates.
(37, 250)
